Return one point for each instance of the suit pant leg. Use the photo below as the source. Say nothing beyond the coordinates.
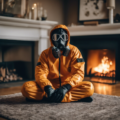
(83, 90)
(31, 90)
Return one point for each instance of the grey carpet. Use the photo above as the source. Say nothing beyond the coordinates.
(103, 107)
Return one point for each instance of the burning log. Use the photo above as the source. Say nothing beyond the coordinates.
(103, 69)
(1, 77)
(98, 74)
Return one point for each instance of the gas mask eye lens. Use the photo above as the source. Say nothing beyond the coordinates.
(65, 37)
(55, 37)
(58, 36)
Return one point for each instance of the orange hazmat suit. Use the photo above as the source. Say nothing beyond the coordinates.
(71, 72)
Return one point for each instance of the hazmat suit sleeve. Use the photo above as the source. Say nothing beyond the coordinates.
(42, 71)
(77, 68)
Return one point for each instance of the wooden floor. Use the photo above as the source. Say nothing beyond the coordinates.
(100, 88)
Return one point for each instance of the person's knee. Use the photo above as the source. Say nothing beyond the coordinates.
(91, 89)
(27, 85)
(88, 87)
(23, 90)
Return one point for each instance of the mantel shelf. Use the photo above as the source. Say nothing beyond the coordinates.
(20, 22)
(101, 29)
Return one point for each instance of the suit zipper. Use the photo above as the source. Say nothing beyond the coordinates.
(59, 72)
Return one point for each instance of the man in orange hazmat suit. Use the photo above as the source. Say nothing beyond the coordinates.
(59, 72)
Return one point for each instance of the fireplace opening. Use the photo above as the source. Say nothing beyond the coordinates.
(100, 65)
(16, 61)
(108, 46)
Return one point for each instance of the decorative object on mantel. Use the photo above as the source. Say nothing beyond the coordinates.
(92, 10)
(71, 25)
(91, 23)
(26, 14)
(37, 12)
(117, 18)
(44, 15)
(34, 8)
(13, 8)
(1, 5)
(111, 6)
(21, 9)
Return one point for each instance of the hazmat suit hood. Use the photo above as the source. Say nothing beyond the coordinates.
(63, 27)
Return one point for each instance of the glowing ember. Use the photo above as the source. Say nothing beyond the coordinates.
(104, 66)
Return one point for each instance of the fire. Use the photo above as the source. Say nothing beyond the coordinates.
(104, 66)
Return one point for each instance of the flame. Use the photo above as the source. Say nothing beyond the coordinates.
(104, 66)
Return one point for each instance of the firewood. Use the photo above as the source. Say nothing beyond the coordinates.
(3, 72)
(11, 78)
(7, 75)
(1, 78)
(20, 78)
(6, 80)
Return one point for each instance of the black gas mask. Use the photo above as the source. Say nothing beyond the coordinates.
(59, 39)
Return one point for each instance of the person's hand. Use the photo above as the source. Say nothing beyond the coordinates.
(59, 93)
(49, 90)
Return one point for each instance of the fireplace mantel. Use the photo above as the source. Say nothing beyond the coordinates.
(26, 30)
(102, 29)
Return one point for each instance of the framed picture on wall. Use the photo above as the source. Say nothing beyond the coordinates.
(92, 10)
(13, 7)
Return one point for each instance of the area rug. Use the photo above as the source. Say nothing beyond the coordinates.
(103, 107)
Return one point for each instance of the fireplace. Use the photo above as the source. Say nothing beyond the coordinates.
(101, 55)
(17, 60)
(21, 37)
(101, 65)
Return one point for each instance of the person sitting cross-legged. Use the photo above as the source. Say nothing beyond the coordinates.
(59, 72)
